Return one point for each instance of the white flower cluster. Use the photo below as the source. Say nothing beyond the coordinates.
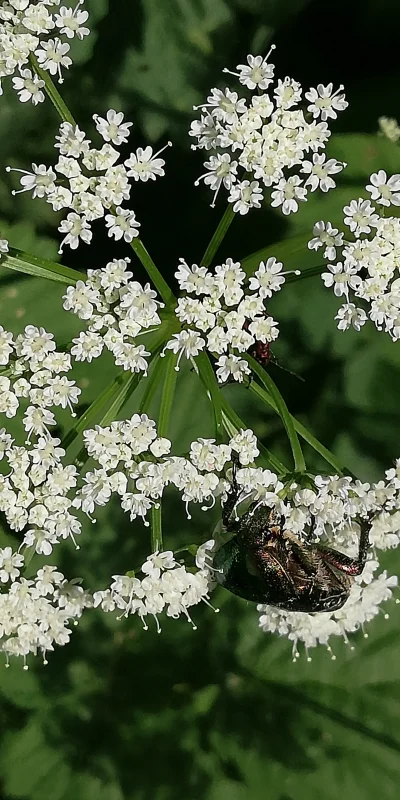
(75, 182)
(42, 29)
(119, 449)
(330, 510)
(369, 262)
(34, 493)
(34, 372)
(166, 587)
(229, 310)
(116, 310)
(266, 139)
(34, 614)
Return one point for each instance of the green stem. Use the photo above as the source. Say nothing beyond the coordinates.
(233, 423)
(218, 236)
(305, 273)
(283, 411)
(308, 437)
(167, 396)
(156, 530)
(152, 383)
(52, 92)
(153, 272)
(209, 381)
(167, 399)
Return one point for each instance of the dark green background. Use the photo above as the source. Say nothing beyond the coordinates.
(220, 713)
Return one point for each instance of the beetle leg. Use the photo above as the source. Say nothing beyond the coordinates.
(351, 566)
(301, 556)
(233, 497)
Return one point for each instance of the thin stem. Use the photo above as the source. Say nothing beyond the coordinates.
(167, 399)
(283, 411)
(152, 384)
(153, 272)
(167, 396)
(156, 530)
(209, 381)
(308, 437)
(218, 236)
(52, 92)
(305, 273)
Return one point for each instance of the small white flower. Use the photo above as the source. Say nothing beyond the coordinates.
(385, 191)
(348, 315)
(71, 21)
(324, 102)
(245, 195)
(29, 87)
(76, 228)
(341, 277)
(232, 366)
(53, 55)
(288, 193)
(122, 224)
(257, 73)
(113, 129)
(360, 216)
(144, 165)
(320, 170)
(268, 278)
(389, 127)
(325, 234)
(189, 343)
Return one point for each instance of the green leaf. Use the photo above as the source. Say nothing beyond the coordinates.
(39, 267)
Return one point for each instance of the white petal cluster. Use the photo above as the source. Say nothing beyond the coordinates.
(116, 310)
(224, 312)
(267, 139)
(35, 493)
(366, 274)
(35, 614)
(120, 452)
(90, 182)
(167, 587)
(35, 377)
(42, 28)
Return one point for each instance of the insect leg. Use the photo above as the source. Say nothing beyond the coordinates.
(351, 566)
(233, 496)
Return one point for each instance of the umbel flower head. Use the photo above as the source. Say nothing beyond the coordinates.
(43, 30)
(88, 182)
(224, 311)
(267, 137)
(367, 269)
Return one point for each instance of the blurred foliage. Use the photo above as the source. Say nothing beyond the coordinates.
(222, 712)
